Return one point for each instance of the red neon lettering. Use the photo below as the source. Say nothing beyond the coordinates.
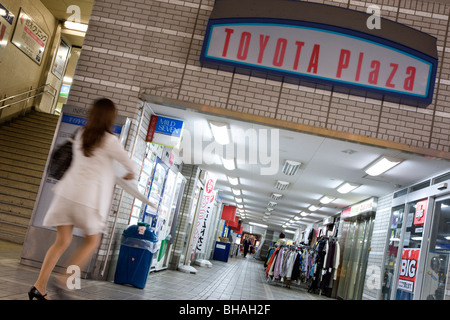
(373, 75)
(358, 69)
(391, 76)
(409, 81)
(227, 41)
(262, 46)
(314, 58)
(299, 45)
(279, 52)
(344, 59)
(243, 45)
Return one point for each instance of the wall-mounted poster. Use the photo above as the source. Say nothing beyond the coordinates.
(6, 25)
(30, 38)
(61, 58)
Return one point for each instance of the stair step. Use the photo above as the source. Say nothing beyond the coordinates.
(13, 228)
(32, 130)
(7, 189)
(14, 146)
(38, 118)
(27, 153)
(14, 218)
(24, 171)
(16, 200)
(43, 115)
(16, 131)
(24, 140)
(19, 177)
(21, 164)
(14, 238)
(35, 125)
(27, 187)
(18, 157)
(15, 209)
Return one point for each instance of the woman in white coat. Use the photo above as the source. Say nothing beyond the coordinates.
(83, 196)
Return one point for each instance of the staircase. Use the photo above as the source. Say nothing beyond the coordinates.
(24, 146)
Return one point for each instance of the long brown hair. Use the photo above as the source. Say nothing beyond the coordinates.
(100, 120)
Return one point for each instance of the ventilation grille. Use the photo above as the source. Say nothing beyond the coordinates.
(272, 204)
(282, 185)
(290, 167)
(276, 196)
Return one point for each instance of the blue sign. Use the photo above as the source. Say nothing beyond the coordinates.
(79, 121)
(6, 14)
(168, 126)
(165, 131)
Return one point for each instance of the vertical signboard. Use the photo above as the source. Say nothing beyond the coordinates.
(6, 25)
(204, 216)
(419, 216)
(408, 270)
(165, 131)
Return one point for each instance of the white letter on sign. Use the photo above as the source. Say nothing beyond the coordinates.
(374, 21)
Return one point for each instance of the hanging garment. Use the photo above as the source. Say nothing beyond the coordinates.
(269, 270)
(278, 263)
(290, 264)
(296, 268)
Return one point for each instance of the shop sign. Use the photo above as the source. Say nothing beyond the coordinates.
(30, 38)
(204, 216)
(419, 216)
(320, 53)
(6, 25)
(165, 131)
(365, 206)
(408, 269)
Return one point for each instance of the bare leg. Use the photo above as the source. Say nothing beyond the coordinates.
(83, 255)
(63, 240)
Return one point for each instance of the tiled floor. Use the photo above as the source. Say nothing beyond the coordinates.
(238, 279)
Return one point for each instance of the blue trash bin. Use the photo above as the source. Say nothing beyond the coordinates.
(135, 256)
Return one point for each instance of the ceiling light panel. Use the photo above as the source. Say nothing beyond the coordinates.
(347, 187)
(282, 185)
(290, 167)
(276, 196)
(382, 165)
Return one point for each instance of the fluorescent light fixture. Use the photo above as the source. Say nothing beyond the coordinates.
(267, 213)
(347, 187)
(326, 199)
(238, 200)
(233, 181)
(240, 206)
(229, 164)
(304, 214)
(447, 238)
(296, 218)
(258, 225)
(289, 231)
(416, 238)
(290, 167)
(276, 196)
(220, 132)
(382, 165)
(236, 192)
(281, 185)
(75, 26)
(272, 204)
(313, 208)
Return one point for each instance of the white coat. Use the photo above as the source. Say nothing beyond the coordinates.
(90, 180)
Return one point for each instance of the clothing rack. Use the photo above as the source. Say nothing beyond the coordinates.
(314, 266)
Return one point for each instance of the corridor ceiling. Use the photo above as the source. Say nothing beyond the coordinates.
(325, 164)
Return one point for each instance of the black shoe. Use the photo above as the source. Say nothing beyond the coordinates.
(34, 293)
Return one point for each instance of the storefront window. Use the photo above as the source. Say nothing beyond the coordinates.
(412, 243)
(395, 233)
(436, 267)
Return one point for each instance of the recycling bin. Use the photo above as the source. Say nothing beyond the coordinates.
(138, 245)
(221, 251)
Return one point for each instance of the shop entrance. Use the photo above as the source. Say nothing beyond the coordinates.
(436, 266)
(356, 236)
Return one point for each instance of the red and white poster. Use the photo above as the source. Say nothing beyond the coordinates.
(408, 269)
(421, 210)
(204, 215)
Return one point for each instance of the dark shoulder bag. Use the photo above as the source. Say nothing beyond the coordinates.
(61, 159)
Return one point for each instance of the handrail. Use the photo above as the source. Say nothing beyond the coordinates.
(30, 97)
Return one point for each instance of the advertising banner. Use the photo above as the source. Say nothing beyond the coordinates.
(408, 269)
(6, 25)
(205, 213)
(165, 131)
(30, 38)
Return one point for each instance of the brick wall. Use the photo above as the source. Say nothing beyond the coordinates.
(152, 47)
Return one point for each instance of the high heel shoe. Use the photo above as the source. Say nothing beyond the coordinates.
(34, 293)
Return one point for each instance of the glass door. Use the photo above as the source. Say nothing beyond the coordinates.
(436, 265)
(355, 257)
